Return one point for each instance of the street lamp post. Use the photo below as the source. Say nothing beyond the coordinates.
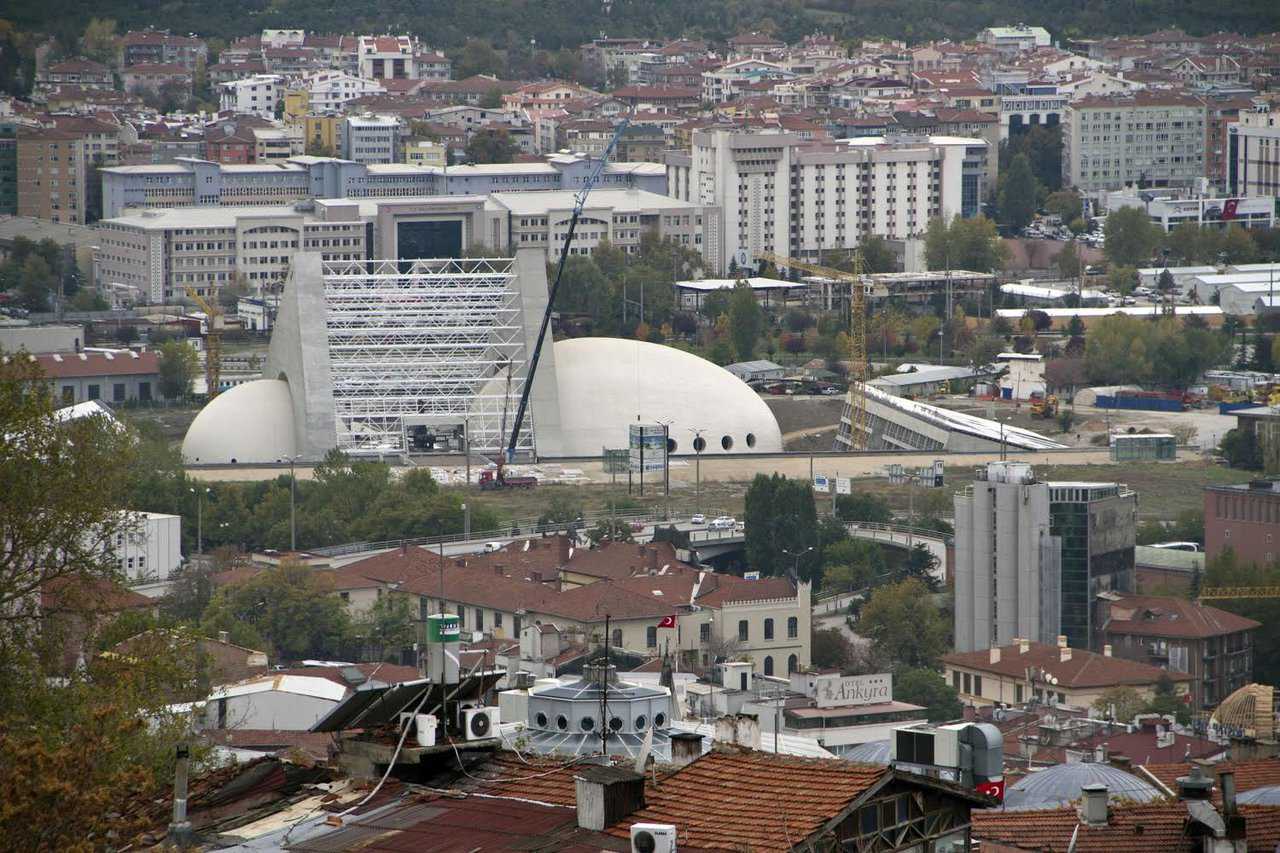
(698, 444)
(795, 560)
(293, 502)
(200, 516)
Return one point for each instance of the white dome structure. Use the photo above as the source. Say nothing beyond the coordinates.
(250, 423)
(605, 384)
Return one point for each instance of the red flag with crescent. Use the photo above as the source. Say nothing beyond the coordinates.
(667, 622)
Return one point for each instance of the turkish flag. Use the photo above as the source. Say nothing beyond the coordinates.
(667, 622)
(992, 788)
(1229, 208)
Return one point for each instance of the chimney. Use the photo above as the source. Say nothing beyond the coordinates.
(1121, 762)
(1100, 753)
(1024, 645)
(1064, 653)
(1093, 805)
(685, 747)
(1062, 641)
(651, 559)
(994, 654)
(404, 548)
(564, 550)
(180, 829)
(1196, 786)
(1227, 784)
(224, 637)
(1106, 650)
(606, 795)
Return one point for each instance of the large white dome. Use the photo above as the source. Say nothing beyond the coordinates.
(604, 384)
(247, 424)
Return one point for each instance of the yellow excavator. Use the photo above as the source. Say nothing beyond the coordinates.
(1044, 407)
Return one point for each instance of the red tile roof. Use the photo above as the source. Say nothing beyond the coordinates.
(1084, 669)
(73, 365)
(752, 801)
(1248, 774)
(1169, 616)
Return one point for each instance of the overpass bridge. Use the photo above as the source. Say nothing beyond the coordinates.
(900, 535)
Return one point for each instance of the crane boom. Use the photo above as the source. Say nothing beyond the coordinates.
(579, 202)
(856, 400)
(212, 341)
(1222, 593)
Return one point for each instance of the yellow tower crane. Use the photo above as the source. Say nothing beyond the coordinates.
(857, 397)
(212, 341)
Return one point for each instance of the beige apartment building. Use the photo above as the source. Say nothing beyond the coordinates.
(56, 168)
(549, 581)
(1157, 138)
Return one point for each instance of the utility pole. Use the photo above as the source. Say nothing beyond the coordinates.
(293, 504)
(698, 444)
(200, 516)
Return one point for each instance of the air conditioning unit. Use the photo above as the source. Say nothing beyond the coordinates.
(653, 838)
(480, 723)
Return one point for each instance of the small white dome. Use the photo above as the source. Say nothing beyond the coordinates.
(605, 383)
(247, 424)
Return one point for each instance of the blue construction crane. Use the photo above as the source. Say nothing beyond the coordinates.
(579, 202)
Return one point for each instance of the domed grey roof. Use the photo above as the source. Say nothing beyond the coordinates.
(1268, 795)
(1058, 785)
(871, 752)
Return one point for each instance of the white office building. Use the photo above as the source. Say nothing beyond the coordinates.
(1168, 211)
(1110, 142)
(257, 95)
(1253, 153)
(779, 193)
(328, 91)
(1015, 39)
(148, 549)
(371, 139)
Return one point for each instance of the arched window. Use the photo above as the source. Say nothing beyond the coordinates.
(793, 627)
(617, 637)
(792, 664)
(768, 629)
(768, 665)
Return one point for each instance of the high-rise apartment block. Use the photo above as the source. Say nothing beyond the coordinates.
(1253, 153)
(1032, 556)
(1153, 138)
(779, 192)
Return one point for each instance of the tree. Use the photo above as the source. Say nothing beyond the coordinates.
(863, 506)
(852, 564)
(491, 145)
(492, 99)
(1121, 704)
(904, 625)
(178, 367)
(926, 687)
(970, 244)
(477, 57)
(745, 321)
(1068, 261)
(1122, 279)
(1130, 238)
(99, 40)
(610, 530)
(64, 483)
(1116, 351)
(781, 521)
(982, 350)
(387, 625)
(1065, 204)
(1241, 449)
(876, 255)
(291, 606)
(830, 649)
(1167, 702)
(1018, 193)
(921, 564)
(37, 283)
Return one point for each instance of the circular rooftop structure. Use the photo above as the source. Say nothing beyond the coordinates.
(871, 752)
(1059, 785)
(605, 384)
(1268, 795)
(1248, 712)
(247, 424)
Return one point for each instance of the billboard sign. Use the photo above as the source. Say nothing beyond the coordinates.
(844, 485)
(821, 483)
(648, 446)
(842, 691)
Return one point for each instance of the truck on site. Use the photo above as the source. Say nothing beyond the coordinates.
(492, 479)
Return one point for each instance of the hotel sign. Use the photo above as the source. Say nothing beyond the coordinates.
(837, 691)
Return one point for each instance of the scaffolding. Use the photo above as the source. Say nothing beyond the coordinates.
(423, 343)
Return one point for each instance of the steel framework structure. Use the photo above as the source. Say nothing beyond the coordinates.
(423, 342)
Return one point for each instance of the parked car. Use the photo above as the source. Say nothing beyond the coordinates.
(637, 526)
(723, 522)
(698, 518)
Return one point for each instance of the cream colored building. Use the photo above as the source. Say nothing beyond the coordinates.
(1111, 141)
(424, 152)
(1024, 672)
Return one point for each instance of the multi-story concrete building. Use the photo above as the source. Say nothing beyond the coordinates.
(386, 58)
(163, 252)
(161, 46)
(202, 183)
(1245, 518)
(1032, 556)
(1213, 646)
(1014, 39)
(327, 91)
(257, 95)
(8, 168)
(55, 166)
(1157, 138)
(778, 193)
(148, 548)
(1253, 153)
(371, 139)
